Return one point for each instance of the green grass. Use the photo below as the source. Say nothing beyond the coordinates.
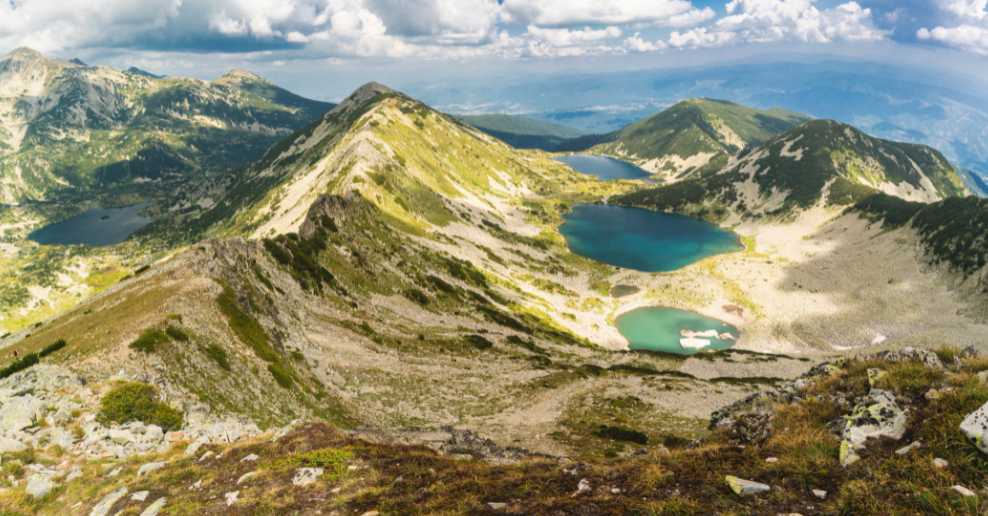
(136, 402)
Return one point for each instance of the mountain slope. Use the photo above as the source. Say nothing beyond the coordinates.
(821, 160)
(521, 132)
(690, 134)
(64, 126)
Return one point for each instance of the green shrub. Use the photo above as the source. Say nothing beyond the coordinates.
(247, 329)
(53, 347)
(219, 355)
(417, 296)
(149, 339)
(479, 342)
(280, 375)
(622, 434)
(135, 402)
(177, 334)
(29, 360)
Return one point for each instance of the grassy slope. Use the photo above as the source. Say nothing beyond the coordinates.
(521, 132)
(363, 476)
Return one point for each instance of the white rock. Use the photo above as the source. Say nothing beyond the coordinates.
(975, 427)
(245, 476)
(206, 455)
(140, 496)
(39, 485)
(19, 413)
(743, 487)
(819, 493)
(772, 459)
(103, 508)
(193, 448)
(122, 436)
(906, 449)
(154, 433)
(497, 506)
(615, 490)
(231, 498)
(250, 457)
(940, 463)
(963, 491)
(153, 509)
(115, 472)
(306, 476)
(151, 466)
(74, 474)
(8, 445)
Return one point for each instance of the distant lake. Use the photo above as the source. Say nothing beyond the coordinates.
(660, 329)
(643, 240)
(97, 227)
(603, 167)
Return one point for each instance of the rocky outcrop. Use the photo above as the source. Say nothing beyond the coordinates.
(975, 427)
(449, 441)
(875, 417)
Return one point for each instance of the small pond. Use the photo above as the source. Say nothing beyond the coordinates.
(604, 168)
(671, 330)
(618, 291)
(643, 240)
(97, 227)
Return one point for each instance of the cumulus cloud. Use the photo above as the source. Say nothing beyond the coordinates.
(967, 29)
(555, 13)
(457, 29)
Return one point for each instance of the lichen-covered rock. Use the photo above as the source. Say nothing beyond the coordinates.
(881, 416)
(8, 445)
(151, 466)
(750, 428)
(874, 374)
(104, 506)
(758, 403)
(154, 508)
(39, 485)
(929, 358)
(18, 414)
(743, 487)
(975, 427)
(306, 476)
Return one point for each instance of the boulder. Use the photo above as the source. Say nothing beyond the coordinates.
(8, 445)
(121, 436)
(975, 427)
(39, 485)
(906, 449)
(154, 508)
(743, 487)
(104, 506)
(880, 416)
(940, 463)
(19, 413)
(153, 433)
(193, 448)
(306, 476)
(819, 493)
(231, 498)
(247, 475)
(963, 491)
(151, 466)
(140, 496)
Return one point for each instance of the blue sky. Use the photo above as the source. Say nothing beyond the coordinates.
(337, 43)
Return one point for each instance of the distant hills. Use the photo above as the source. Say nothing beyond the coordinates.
(689, 134)
(65, 126)
(821, 161)
(522, 132)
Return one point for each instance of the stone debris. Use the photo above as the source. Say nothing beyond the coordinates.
(497, 506)
(245, 476)
(206, 455)
(306, 476)
(874, 374)
(39, 485)
(819, 493)
(231, 498)
(975, 427)
(581, 488)
(250, 457)
(103, 507)
(154, 508)
(743, 487)
(875, 417)
(772, 459)
(116, 471)
(940, 463)
(193, 448)
(140, 496)
(963, 491)
(906, 449)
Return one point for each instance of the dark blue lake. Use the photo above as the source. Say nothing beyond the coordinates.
(97, 227)
(603, 167)
(674, 331)
(643, 240)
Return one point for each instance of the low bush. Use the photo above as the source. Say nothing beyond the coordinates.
(149, 340)
(219, 355)
(53, 347)
(136, 402)
(29, 360)
(177, 334)
(622, 434)
(280, 375)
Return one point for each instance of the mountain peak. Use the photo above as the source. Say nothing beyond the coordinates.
(24, 54)
(367, 91)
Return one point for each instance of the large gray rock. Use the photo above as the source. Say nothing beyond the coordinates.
(39, 485)
(975, 427)
(881, 416)
(306, 476)
(153, 509)
(19, 413)
(193, 448)
(743, 487)
(104, 506)
(122, 436)
(8, 445)
(151, 466)
(153, 433)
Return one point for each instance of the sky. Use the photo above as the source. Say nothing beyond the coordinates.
(325, 48)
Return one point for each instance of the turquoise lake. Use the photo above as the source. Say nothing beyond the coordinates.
(97, 227)
(659, 329)
(603, 167)
(643, 240)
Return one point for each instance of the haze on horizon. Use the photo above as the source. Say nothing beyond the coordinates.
(325, 48)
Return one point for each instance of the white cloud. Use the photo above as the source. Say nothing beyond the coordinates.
(556, 13)
(760, 21)
(971, 30)
(637, 44)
